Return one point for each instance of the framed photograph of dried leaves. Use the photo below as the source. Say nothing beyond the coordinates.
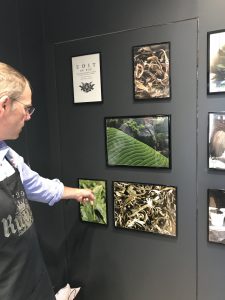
(145, 207)
(216, 62)
(139, 141)
(95, 212)
(216, 140)
(216, 215)
(86, 70)
(152, 79)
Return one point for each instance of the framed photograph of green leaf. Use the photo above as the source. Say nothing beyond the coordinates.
(139, 141)
(152, 79)
(216, 216)
(95, 212)
(216, 61)
(145, 207)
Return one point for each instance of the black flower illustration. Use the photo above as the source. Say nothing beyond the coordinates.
(87, 86)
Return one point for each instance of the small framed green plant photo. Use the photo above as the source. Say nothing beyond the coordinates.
(95, 212)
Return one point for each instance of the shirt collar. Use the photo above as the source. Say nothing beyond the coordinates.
(3, 150)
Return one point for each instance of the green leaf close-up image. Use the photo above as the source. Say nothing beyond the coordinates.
(95, 212)
(124, 150)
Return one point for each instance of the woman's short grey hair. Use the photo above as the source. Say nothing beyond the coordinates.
(12, 82)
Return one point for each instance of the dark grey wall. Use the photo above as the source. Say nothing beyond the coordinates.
(21, 36)
(10, 52)
(211, 257)
(120, 258)
(22, 47)
(32, 64)
(71, 20)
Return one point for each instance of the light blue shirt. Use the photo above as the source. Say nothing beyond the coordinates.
(37, 188)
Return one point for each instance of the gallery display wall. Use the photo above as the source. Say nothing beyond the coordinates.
(23, 48)
(210, 255)
(121, 252)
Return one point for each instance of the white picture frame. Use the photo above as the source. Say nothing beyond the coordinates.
(86, 70)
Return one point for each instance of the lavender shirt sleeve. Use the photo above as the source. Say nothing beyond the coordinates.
(41, 189)
(37, 188)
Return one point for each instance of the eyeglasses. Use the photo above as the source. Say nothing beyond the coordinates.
(29, 109)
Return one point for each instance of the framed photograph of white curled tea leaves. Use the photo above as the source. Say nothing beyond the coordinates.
(86, 71)
(216, 62)
(95, 212)
(152, 79)
(145, 207)
(216, 140)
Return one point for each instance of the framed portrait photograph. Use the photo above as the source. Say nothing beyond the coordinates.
(216, 62)
(139, 141)
(145, 207)
(216, 140)
(86, 71)
(95, 212)
(216, 215)
(152, 79)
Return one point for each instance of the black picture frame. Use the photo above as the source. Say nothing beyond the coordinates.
(97, 211)
(152, 71)
(145, 207)
(216, 215)
(216, 62)
(138, 141)
(216, 140)
(87, 78)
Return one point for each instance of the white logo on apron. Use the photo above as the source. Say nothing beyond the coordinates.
(21, 222)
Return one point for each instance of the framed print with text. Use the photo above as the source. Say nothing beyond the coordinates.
(216, 62)
(216, 140)
(139, 141)
(145, 207)
(216, 215)
(95, 212)
(152, 71)
(86, 70)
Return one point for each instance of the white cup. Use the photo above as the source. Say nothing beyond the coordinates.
(217, 219)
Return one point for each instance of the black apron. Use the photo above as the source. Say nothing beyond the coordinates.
(23, 275)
